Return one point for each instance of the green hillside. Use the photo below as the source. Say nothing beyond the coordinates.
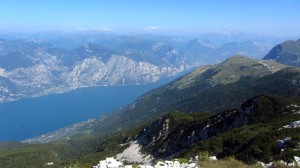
(287, 53)
(227, 84)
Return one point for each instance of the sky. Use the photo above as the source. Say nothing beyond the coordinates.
(274, 17)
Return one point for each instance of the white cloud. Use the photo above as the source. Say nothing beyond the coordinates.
(2, 72)
(151, 28)
(104, 29)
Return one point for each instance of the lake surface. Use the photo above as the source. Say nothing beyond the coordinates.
(31, 117)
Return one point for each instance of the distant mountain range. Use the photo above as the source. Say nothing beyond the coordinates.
(36, 68)
(30, 68)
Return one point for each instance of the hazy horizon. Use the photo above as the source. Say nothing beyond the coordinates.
(176, 17)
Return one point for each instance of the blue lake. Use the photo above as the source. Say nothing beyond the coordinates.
(31, 117)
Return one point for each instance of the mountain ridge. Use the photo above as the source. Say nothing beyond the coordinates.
(287, 53)
(176, 132)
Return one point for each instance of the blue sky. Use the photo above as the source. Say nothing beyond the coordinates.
(276, 17)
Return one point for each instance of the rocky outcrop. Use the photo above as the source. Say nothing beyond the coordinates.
(175, 132)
